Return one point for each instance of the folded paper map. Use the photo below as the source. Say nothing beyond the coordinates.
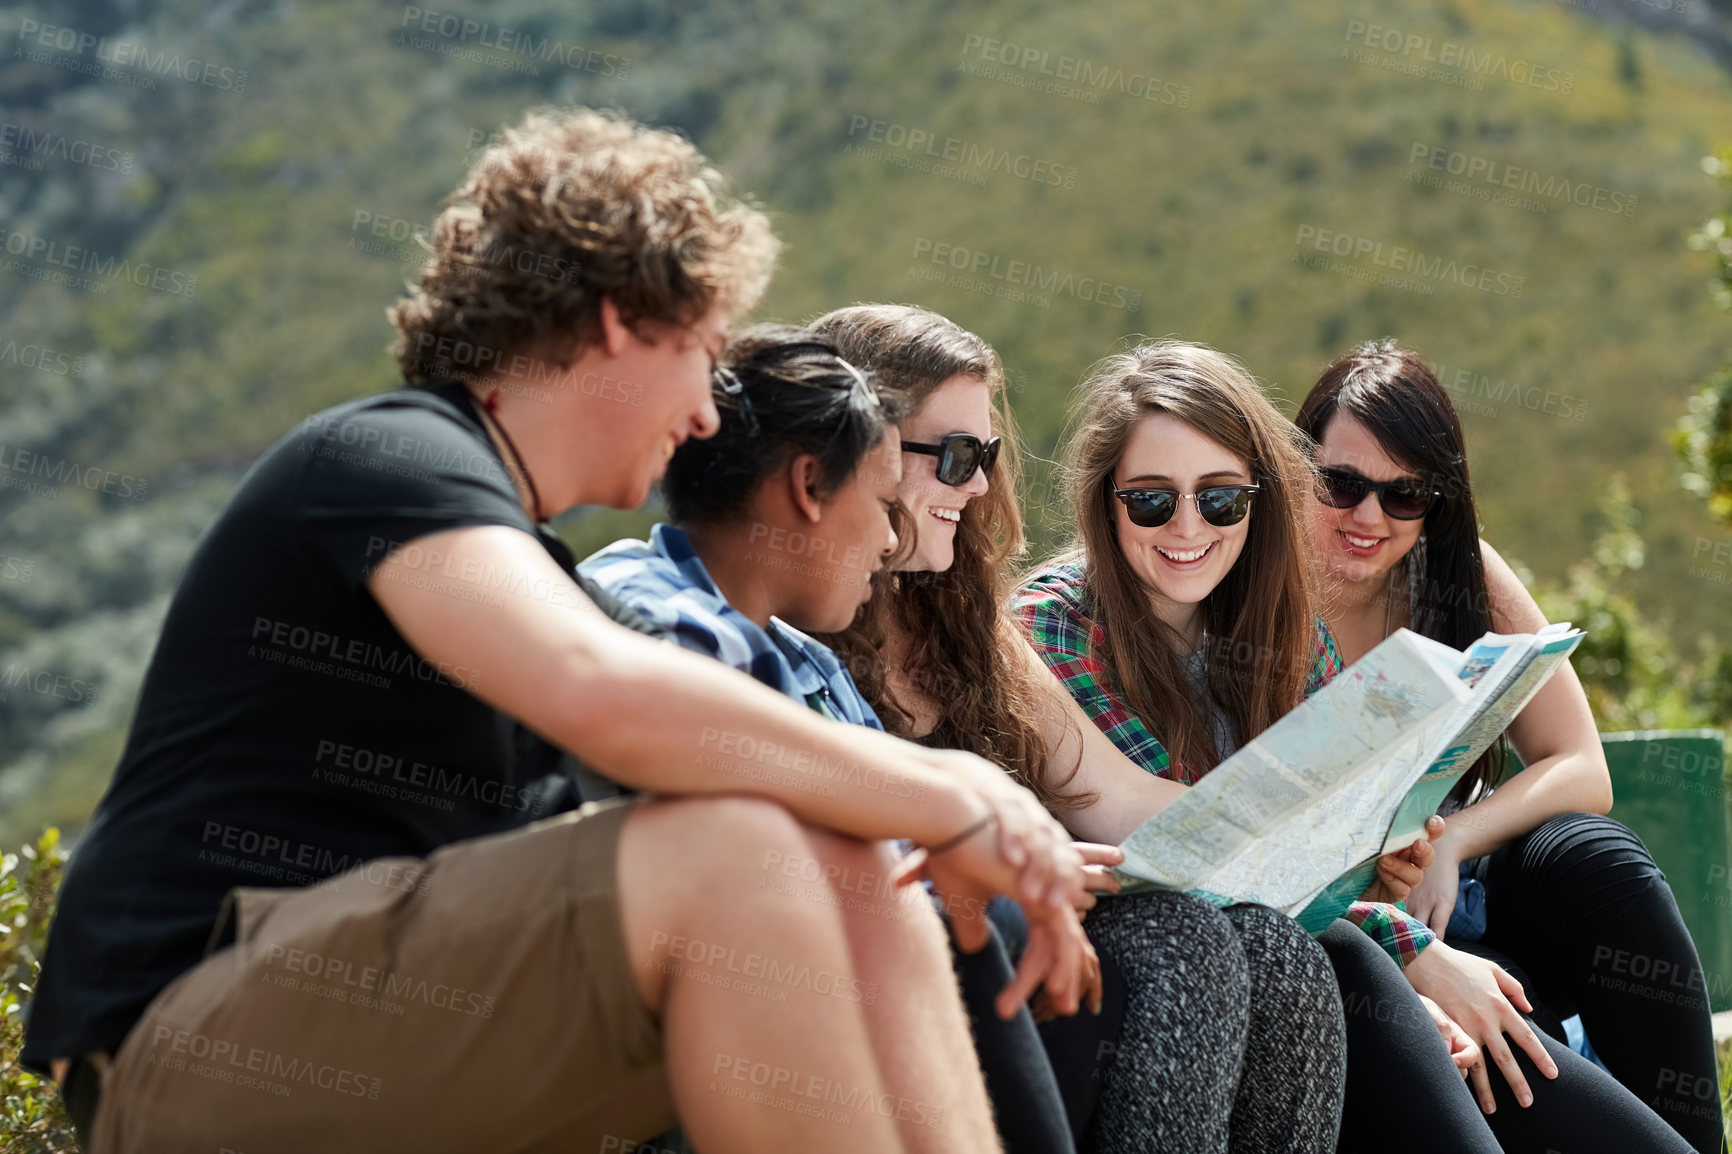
(1297, 818)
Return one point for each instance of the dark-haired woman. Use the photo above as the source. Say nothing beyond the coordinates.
(784, 515)
(1232, 1037)
(1192, 497)
(1547, 886)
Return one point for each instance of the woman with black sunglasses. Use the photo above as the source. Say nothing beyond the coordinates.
(1547, 886)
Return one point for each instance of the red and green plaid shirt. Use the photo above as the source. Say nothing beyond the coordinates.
(1056, 612)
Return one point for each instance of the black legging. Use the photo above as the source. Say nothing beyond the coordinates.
(1078, 1049)
(1398, 1068)
(1026, 1103)
(1591, 927)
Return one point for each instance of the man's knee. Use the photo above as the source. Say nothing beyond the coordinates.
(706, 833)
(679, 855)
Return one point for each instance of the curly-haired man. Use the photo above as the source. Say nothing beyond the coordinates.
(316, 909)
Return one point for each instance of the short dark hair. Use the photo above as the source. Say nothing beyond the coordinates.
(803, 398)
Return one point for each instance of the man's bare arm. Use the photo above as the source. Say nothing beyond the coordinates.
(646, 714)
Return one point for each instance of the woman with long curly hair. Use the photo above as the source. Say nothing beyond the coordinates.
(776, 524)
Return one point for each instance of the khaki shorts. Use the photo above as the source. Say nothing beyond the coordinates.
(480, 999)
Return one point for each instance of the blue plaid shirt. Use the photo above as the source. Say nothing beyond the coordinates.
(663, 579)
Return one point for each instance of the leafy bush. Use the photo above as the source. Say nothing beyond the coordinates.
(1723, 1052)
(1703, 439)
(1634, 674)
(31, 1118)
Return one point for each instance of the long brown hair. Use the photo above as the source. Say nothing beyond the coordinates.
(1399, 400)
(1261, 618)
(961, 642)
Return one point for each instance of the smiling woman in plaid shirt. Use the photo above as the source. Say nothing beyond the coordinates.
(1183, 620)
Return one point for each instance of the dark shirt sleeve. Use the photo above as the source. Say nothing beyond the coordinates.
(380, 477)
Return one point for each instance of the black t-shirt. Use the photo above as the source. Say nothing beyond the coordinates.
(285, 730)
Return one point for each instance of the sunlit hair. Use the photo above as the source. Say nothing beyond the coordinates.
(961, 643)
(1261, 618)
(803, 399)
(572, 206)
(1395, 395)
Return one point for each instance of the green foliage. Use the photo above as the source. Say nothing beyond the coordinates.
(1703, 439)
(1723, 1054)
(1195, 206)
(1704, 444)
(1634, 675)
(1715, 235)
(31, 1118)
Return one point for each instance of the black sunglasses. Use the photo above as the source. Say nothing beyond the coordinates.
(959, 455)
(1219, 505)
(1404, 500)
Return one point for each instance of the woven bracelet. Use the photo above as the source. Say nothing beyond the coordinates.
(951, 843)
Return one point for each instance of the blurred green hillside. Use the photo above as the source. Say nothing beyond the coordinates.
(1186, 150)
